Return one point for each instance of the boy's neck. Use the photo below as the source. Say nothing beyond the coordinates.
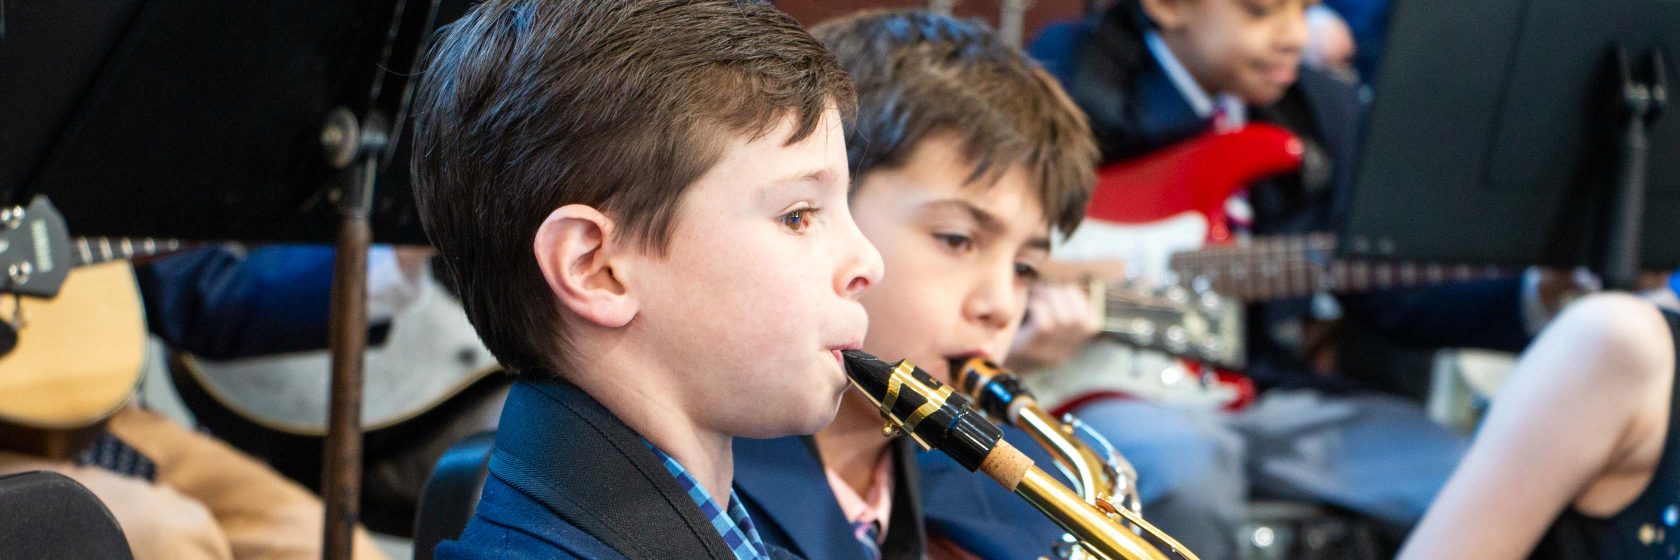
(1165, 48)
(852, 445)
(664, 420)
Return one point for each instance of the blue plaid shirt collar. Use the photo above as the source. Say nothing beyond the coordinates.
(736, 527)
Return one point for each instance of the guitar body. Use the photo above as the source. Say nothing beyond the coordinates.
(79, 355)
(1143, 212)
(431, 354)
(431, 383)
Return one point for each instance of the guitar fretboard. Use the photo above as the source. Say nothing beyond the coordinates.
(95, 250)
(1297, 266)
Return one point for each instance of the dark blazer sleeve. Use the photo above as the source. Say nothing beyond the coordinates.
(220, 304)
(1485, 314)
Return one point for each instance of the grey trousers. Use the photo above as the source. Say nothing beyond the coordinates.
(1373, 454)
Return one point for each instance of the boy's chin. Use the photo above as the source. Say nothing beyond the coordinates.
(798, 419)
(811, 424)
(1261, 96)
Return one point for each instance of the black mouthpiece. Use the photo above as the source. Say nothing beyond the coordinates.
(913, 402)
(993, 388)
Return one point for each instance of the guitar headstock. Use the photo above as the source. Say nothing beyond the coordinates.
(1195, 324)
(37, 252)
(34, 249)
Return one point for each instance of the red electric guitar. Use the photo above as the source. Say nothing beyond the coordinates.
(1143, 212)
(1165, 216)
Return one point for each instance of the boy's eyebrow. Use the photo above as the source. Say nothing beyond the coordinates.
(986, 220)
(818, 176)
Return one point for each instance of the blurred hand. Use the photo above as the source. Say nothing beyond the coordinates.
(1557, 288)
(1059, 322)
(413, 260)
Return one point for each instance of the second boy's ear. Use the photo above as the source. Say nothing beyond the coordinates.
(1169, 15)
(574, 248)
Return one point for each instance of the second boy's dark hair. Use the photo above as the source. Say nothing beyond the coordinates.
(529, 105)
(920, 75)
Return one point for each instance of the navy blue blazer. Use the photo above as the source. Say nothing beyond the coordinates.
(1134, 108)
(570, 480)
(219, 304)
(785, 489)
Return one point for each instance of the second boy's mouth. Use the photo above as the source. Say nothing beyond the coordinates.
(949, 361)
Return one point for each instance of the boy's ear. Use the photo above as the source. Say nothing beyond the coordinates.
(575, 250)
(1167, 14)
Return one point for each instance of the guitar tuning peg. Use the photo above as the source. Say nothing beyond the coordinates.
(1201, 284)
(12, 217)
(1174, 293)
(1211, 348)
(1210, 302)
(1142, 331)
(1177, 339)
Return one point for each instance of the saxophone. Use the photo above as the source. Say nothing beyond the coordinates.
(1105, 480)
(936, 417)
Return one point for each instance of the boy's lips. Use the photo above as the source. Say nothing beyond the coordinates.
(964, 356)
(1280, 74)
(836, 350)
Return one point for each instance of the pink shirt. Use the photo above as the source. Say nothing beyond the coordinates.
(876, 506)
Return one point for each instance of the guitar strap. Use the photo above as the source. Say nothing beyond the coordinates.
(112, 454)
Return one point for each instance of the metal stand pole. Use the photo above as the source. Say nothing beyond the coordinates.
(359, 146)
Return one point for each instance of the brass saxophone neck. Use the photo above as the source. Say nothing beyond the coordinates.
(1105, 483)
(937, 417)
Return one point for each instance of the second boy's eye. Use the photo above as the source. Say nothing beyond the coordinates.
(1260, 9)
(1026, 272)
(798, 220)
(955, 241)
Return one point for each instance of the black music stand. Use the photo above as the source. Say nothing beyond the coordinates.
(248, 121)
(1517, 131)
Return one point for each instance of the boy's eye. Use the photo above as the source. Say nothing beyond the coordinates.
(1259, 9)
(798, 220)
(955, 241)
(1026, 272)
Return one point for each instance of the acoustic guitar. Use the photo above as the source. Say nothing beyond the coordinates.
(79, 324)
(430, 355)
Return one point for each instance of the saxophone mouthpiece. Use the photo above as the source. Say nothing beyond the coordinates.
(996, 391)
(916, 404)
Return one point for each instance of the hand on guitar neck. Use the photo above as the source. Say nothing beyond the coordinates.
(1061, 317)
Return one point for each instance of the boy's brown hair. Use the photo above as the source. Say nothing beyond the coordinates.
(529, 105)
(920, 74)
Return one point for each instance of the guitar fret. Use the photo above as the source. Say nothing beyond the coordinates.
(99, 249)
(1275, 267)
(82, 250)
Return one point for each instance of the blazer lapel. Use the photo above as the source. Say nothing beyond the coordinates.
(906, 533)
(572, 455)
(783, 481)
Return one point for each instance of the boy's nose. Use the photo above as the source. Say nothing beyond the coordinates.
(1293, 31)
(995, 303)
(863, 270)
